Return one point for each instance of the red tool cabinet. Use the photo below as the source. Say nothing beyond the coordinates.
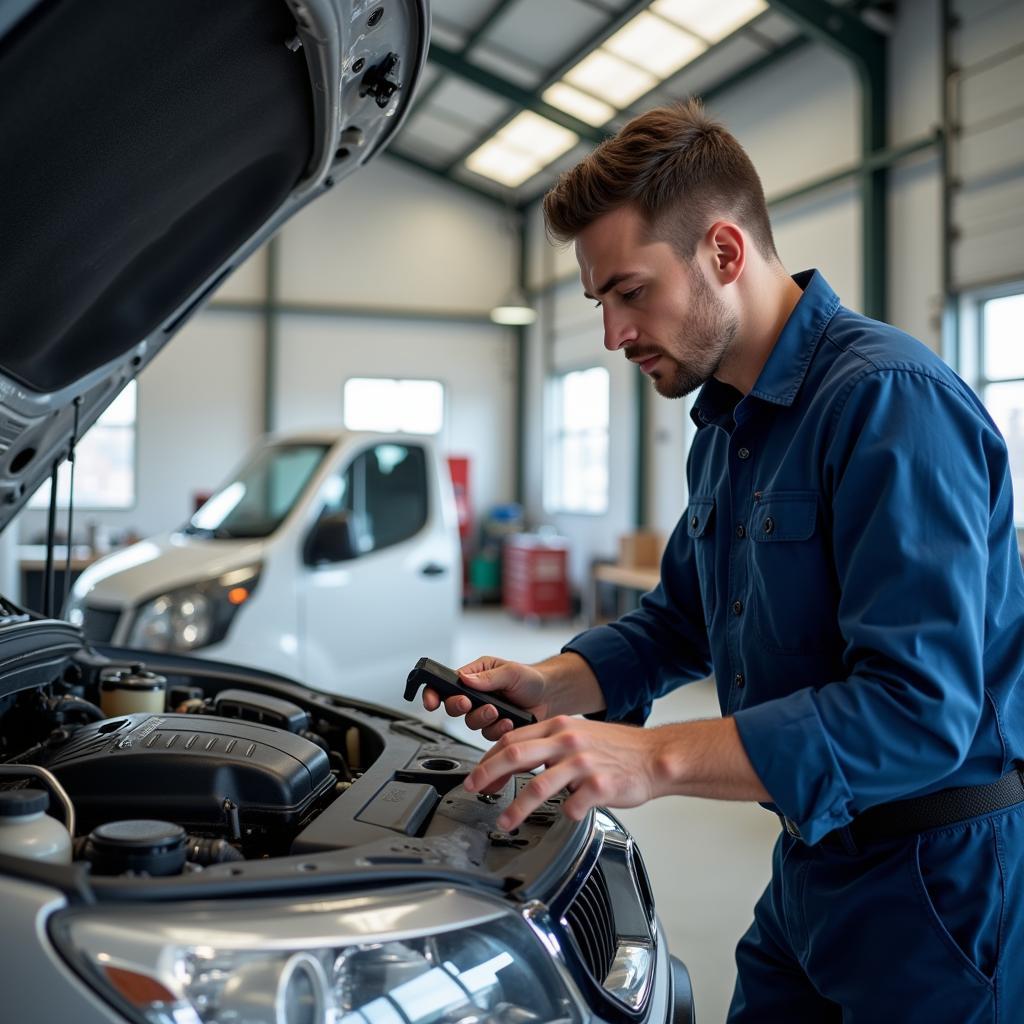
(535, 576)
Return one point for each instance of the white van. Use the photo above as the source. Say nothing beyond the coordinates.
(332, 558)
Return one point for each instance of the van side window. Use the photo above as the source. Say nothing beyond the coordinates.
(384, 490)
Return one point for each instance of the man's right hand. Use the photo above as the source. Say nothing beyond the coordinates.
(521, 685)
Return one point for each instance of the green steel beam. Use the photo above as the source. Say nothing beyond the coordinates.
(879, 160)
(520, 384)
(457, 64)
(754, 69)
(843, 31)
(488, 20)
(448, 179)
(642, 403)
(278, 308)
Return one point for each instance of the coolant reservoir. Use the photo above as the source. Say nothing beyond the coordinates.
(127, 692)
(26, 830)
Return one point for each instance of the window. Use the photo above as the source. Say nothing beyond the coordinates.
(104, 461)
(256, 502)
(576, 473)
(384, 491)
(1000, 379)
(394, 406)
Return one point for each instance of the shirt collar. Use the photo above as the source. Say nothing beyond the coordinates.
(784, 372)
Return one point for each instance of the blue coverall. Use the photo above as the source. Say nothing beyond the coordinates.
(848, 568)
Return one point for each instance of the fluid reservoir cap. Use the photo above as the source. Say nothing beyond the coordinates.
(17, 803)
(155, 847)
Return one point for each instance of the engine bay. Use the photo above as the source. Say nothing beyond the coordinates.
(182, 767)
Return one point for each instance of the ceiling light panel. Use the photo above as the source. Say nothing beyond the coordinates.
(655, 44)
(610, 78)
(502, 163)
(538, 136)
(710, 19)
(579, 104)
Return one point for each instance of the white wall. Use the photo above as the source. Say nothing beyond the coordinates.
(384, 238)
(199, 409)
(798, 120)
(474, 362)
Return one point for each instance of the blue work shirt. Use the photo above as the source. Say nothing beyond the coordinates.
(847, 567)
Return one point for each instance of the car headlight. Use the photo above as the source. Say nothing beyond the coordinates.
(424, 957)
(194, 616)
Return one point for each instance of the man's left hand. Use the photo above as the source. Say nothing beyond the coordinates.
(601, 764)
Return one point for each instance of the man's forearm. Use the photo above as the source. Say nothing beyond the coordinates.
(571, 687)
(705, 758)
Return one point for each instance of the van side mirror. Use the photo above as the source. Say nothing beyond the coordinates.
(332, 539)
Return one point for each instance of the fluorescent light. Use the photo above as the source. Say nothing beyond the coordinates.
(525, 145)
(542, 139)
(513, 316)
(579, 104)
(502, 163)
(655, 44)
(710, 19)
(603, 74)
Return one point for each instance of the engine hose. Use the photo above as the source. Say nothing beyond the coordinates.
(71, 705)
(207, 850)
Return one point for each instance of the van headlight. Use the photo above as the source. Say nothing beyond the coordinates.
(428, 957)
(193, 616)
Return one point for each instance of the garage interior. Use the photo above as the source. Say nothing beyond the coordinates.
(890, 142)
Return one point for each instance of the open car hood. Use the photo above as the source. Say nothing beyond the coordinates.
(148, 149)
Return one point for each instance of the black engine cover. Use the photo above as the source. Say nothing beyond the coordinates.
(181, 768)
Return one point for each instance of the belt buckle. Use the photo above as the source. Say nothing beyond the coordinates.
(791, 827)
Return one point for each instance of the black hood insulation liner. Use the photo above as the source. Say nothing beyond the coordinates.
(185, 123)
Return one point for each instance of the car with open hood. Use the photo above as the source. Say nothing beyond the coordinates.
(186, 840)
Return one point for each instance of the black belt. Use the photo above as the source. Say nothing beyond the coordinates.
(903, 818)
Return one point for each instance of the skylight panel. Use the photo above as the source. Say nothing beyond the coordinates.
(655, 44)
(612, 79)
(579, 104)
(710, 19)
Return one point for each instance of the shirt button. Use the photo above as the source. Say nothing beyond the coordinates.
(744, 453)
(694, 523)
(739, 680)
(737, 607)
(769, 525)
(741, 532)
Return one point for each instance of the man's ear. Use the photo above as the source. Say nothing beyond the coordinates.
(728, 247)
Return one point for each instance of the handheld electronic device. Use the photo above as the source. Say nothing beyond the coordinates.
(446, 682)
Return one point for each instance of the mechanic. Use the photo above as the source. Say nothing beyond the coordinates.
(847, 568)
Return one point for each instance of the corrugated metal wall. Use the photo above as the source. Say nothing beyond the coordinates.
(986, 97)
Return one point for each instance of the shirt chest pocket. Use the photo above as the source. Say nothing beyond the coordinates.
(700, 525)
(794, 596)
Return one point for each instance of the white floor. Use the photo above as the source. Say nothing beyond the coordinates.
(708, 861)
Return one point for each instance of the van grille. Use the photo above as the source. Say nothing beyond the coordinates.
(99, 624)
(590, 921)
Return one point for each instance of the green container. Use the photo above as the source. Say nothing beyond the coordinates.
(485, 575)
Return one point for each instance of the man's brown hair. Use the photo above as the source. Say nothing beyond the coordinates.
(679, 167)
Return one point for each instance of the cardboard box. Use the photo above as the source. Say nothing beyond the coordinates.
(641, 550)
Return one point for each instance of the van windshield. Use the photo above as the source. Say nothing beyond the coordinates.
(264, 492)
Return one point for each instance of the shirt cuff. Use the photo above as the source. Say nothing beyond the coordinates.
(614, 663)
(791, 754)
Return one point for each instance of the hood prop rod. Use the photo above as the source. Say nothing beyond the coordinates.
(49, 582)
(71, 508)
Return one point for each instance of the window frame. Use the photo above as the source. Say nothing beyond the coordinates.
(556, 434)
(65, 467)
(438, 434)
(970, 352)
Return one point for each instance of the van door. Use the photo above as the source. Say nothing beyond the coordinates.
(365, 620)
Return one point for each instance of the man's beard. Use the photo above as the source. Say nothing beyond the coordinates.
(705, 338)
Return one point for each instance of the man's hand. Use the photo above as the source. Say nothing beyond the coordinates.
(602, 764)
(521, 685)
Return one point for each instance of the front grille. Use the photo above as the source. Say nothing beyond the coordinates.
(590, 921)
(99, 624)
